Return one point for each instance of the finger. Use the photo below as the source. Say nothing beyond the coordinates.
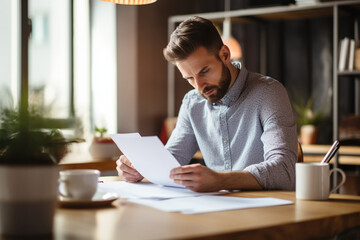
(125, 164)
(129, 177)
(185, 177)
(118, 162)
(128, 169)
(132, 178)
(187, 183)
(123, 159)
(193, 168)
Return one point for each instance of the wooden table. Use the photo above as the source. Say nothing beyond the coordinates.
(126, 220)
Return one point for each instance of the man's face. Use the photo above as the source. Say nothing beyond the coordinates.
(206, 73)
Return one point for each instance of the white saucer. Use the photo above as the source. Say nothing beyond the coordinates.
(100, 199)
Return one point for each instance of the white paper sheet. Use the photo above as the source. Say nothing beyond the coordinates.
(149, 156)
(204, 204)
(147, 190)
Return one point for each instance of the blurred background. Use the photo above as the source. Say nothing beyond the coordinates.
(94, 63)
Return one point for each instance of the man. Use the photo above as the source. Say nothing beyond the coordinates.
(241, 122)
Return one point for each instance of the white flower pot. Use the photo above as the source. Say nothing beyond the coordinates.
(28, 196)
(104, 151)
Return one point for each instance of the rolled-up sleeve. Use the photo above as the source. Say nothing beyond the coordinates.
(279, 141)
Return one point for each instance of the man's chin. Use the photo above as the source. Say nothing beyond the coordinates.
(211, 99)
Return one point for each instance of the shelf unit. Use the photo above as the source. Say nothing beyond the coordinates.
(291, 12)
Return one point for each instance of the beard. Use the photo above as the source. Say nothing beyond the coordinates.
(221, 89)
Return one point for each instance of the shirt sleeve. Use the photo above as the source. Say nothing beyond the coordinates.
(182, 143)
(279, 140)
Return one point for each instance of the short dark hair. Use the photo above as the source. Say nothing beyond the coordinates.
(190, 35)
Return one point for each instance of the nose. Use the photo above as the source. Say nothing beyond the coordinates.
(199, 84)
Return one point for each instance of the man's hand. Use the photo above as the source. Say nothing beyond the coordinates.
(126, 170)
(197, 177)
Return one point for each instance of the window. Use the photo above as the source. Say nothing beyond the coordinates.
(71, 61)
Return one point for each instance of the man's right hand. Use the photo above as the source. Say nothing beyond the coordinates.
(126, 170)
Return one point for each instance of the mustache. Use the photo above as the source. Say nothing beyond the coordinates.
(206, 89)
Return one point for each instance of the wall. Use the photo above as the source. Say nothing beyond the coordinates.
(142, 69)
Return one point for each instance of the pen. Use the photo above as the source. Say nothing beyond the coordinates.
(331, 152)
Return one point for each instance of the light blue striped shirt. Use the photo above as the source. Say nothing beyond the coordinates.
(251, 128)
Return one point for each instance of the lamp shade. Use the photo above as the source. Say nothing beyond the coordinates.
(230, 41)
(131, 2)
(234, 46)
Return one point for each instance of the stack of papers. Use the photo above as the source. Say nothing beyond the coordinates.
(152, 160)
(204, 204)
(173, 199)
(147, 190)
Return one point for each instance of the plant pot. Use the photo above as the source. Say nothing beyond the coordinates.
(104, 150)
(28, 197)
(308, 134)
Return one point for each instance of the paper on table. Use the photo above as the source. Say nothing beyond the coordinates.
(147, 190)
(149, 156)
(203, 204)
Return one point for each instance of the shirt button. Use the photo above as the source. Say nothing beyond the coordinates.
(225, 141)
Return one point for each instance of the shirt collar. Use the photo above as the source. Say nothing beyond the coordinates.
(236, 89)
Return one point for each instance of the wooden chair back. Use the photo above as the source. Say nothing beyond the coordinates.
(300, 153)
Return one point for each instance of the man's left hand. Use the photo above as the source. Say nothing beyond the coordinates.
(197, 177)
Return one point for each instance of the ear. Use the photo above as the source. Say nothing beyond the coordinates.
(225, 54)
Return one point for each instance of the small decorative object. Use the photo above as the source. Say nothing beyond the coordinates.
(28, 173)
(102, 146)
(307, 120)
(357, 59)
(349, 130)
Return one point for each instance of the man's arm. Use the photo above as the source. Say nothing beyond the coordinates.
(202, 179)
(182, 143)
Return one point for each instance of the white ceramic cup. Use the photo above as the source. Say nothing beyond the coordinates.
(313, 181)
(78, 184)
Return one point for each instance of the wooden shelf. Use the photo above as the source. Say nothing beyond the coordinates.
(349, 73)
(290, 12)
(348, 155)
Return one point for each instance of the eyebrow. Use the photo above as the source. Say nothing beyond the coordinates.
(201, 70)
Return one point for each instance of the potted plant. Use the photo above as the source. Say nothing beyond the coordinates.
(102, 146)
(307, 120)
(28, 173)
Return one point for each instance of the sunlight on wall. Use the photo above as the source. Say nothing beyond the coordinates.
(82, 64)
(103, 65)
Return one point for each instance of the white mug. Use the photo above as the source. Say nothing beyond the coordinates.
(313, 181)
(78, 184)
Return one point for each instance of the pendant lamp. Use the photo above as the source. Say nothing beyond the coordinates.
(131, 2)
(228, 39)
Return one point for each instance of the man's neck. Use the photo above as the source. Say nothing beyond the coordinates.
(234, 72)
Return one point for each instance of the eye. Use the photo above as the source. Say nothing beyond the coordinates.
(204, 71)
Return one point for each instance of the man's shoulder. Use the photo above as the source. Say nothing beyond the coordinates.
(264, 82)
(262, 79)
